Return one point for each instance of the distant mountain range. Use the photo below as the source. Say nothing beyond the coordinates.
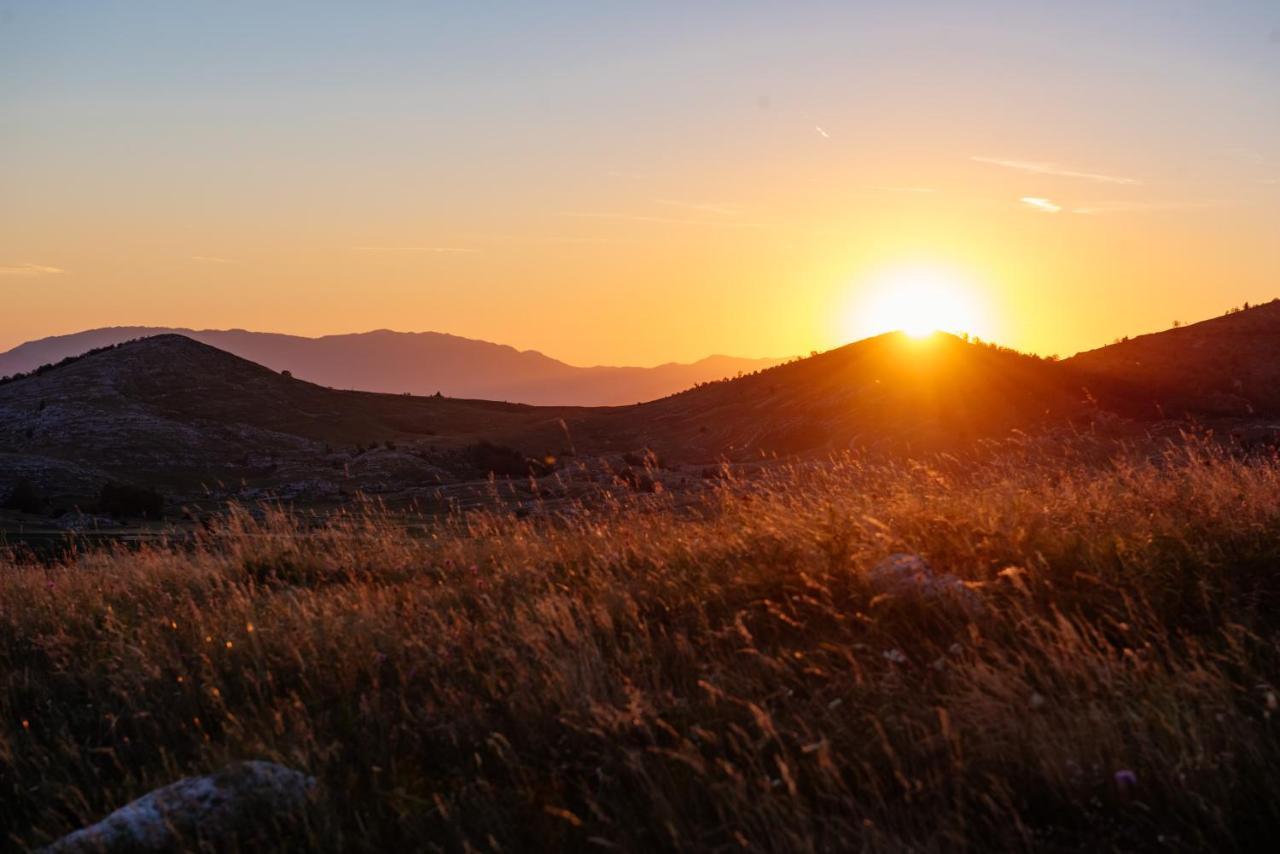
(421, 363)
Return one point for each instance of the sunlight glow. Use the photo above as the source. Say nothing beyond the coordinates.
(918, 301)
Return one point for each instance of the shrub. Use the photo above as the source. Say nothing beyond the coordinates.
(125, 501)
(25, 497)
(502, 461)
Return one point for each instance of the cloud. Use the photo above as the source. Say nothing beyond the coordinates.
(822, 133)
(431, 250)
(212, 259)
(30, 270)
(1145, 207)
(1038, 168)
(703, 207)
(1043, 205)
(724, 223)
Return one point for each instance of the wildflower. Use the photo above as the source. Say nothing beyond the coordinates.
(1126, 779)
(1037, 701)
(895, 655)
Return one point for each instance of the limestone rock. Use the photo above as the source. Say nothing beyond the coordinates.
(230, 803)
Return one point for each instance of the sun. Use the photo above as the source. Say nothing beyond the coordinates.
(918, 301)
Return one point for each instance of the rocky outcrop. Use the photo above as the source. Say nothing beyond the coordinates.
(244, 800)
(909, 576)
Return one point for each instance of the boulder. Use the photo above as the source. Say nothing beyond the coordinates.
(910, 576)
(243, 800)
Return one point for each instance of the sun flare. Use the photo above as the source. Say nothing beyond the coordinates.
(918, 301)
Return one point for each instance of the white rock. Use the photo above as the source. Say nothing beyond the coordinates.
(904, 574)
(213, 807)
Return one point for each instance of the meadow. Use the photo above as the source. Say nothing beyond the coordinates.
(651, 675)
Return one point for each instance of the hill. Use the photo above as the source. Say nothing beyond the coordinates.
(1227, 366)
(891, 392)
(174, 413)
(413, 362)
(171, 411)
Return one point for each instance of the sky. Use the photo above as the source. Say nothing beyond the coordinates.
(617, 183)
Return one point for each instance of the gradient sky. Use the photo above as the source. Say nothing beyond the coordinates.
(636, 183)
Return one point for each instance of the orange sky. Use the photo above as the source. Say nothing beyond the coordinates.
(618, 187)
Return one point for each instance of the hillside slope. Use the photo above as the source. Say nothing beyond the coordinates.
(1227, 366)
(890, 391)
(170, 410)
(415, 363)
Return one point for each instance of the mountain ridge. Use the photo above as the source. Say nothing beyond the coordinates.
(179, 413)
(384, 360)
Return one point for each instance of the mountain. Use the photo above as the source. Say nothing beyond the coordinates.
(415, 363)
(179, 415)
(1225, 366)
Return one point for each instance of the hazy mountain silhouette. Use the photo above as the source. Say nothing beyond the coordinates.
(415, 363)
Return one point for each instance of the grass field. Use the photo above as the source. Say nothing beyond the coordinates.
(721, 678)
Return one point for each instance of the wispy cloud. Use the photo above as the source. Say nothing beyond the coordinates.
(213, 259)
(908, 189)
(822, 133)
(428, 250)
(723, 223)
(1146, 207)
(30, 270)
(1043, 205)
(1040, 168)
(702, 207)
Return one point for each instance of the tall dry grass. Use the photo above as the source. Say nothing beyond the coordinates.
(720, 677)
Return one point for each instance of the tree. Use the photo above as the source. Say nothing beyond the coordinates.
(25, 498)
(123, 500)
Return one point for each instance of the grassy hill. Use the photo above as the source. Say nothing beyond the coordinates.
(1227, 365)
(892, 392)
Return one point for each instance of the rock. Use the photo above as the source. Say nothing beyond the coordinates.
(74, 520)
(908, 575)
(235, 802)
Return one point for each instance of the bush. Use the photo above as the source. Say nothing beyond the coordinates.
(503, 461)
(25, 498)
(123, 501)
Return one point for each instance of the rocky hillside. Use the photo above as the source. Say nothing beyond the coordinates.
(173, 412)
(1226, 366)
